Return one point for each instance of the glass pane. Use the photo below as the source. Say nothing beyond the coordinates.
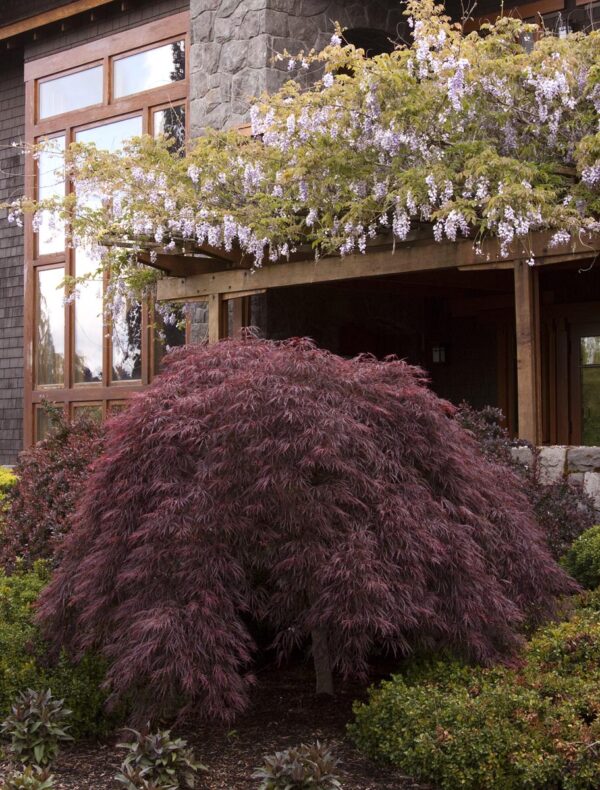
(50, 326)
(51, 183)
(111, 136)
(44, 423)
(590, 350)
(115, 407)
(91, 411)
(590, 390)
(127, 341)
(150, 69)
(169, 333)
(88, 323)
(71, 92)
(170, 122)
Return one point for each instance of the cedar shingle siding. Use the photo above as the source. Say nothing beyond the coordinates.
(12, 127)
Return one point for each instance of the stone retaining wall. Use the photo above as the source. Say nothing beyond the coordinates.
(580, 465)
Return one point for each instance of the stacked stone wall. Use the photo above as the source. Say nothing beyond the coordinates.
(233, 44)
(579, 465)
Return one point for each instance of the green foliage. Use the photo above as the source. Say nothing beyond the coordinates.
(535, 727)
(305, 767)
(472, 134)
(30, 778)
(7, 481)
(36, 727)
(583, 558)
(155, 761)
(24, 663)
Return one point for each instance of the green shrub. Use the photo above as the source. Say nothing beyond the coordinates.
(24, 663)
(155, 761)
(305, 767)
(29, 779)
(583, 558)
(531, 727)
(7, 481)
(36, 727)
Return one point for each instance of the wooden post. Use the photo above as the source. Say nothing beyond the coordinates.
(527, 324)
(240, 314)
(217, 318)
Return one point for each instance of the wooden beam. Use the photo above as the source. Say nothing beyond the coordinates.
(414, 256)
(527, 325)
(217, 318)
(48, 17)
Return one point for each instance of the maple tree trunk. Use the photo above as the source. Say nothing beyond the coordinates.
(322, 662)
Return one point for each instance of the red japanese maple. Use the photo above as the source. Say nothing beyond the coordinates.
(323, 497)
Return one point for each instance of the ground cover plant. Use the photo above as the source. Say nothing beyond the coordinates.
(535, 726)
(156, 761)
(304, 767)
(334, 502)
(49, 478)
(37, 726)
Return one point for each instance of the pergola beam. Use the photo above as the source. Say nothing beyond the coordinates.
(414, 256)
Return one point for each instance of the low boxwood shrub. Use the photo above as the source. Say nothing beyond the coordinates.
(535, 726)
(582, 560)
(24, 663)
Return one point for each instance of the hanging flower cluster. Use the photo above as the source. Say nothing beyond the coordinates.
(472, 135)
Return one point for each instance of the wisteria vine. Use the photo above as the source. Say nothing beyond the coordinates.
(472, 135)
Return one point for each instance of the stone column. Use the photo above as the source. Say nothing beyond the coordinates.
(234, 41)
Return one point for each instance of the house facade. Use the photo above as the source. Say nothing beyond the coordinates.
(497, 333)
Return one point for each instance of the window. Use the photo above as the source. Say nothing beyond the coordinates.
(590, 389)
(51, 183)
(104, 92)
(150, 69)
(50, 323)
(71, 92)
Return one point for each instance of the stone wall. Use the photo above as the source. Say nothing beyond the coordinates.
(233, 43)
(580, 465)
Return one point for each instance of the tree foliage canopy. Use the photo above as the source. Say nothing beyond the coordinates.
(475, 134)
(277, 483)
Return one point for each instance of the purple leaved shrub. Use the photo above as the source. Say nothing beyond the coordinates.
(335, 502)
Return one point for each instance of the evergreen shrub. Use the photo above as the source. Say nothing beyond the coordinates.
(24, 661)
(582, 560)
(533, 726)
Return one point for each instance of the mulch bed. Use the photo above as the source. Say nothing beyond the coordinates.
(284, 712)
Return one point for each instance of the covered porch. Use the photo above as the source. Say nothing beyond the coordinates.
(488, 330)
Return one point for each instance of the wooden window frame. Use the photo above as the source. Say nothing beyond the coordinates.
(102, 51)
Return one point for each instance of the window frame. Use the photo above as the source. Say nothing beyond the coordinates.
(101, 51)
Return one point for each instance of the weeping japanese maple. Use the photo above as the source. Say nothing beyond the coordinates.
(331, 500)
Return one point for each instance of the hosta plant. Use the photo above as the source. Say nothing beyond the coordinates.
(36, 726)
(156, 761)
(304, 767)
(30, 778)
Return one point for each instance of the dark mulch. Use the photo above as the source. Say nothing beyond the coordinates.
(284, 712)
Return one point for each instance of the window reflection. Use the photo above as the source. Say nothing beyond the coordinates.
(50, 326)
(111, 136)
(127, 340)
(169, 332)
(149, 69)
(590, 390)
(88, 411)
(44, 423)
(51, 183)
(170, 122)
(71, 92)
(88, 322)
